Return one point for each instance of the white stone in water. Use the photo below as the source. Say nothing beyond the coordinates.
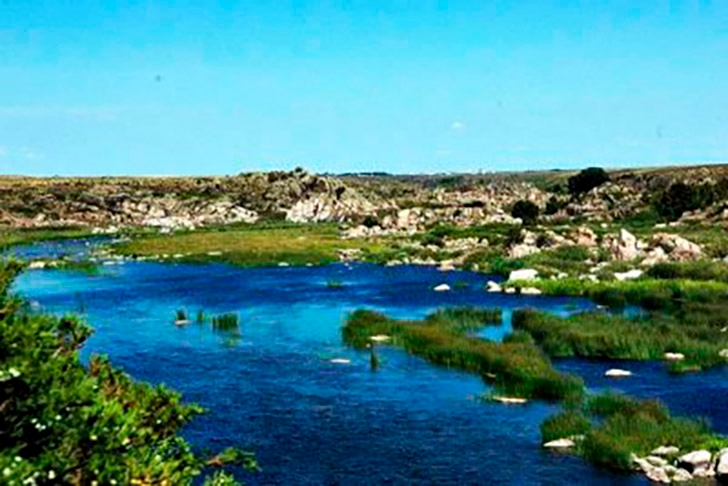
(617, 373)
(36, 265)
(214, 253)
(283, 264)
(674, 356)
(658, 475)
(446, 266)
(530, 291)
(559, 444)
(510, 290)
(493, 287)
(509, 400)
(181, 322)
(340, 361)
(442, 288)
(380, 338)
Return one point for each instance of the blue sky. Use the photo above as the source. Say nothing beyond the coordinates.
(181, 87)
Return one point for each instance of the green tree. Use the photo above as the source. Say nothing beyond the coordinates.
(526, 211)
(65, 423)
(586, 180)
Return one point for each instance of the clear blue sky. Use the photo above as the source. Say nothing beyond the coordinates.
(181, 87)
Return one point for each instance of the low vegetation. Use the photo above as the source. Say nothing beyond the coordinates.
(601, 335)
(516, 369)
(610, 428)
(226, 322)
(65, 423)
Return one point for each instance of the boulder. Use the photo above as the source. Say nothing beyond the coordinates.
(617, 373)
(523, 250)
(442, 288)
(721, 467)
(446, 266)
(584, 236)
(560, 444)
(655, 256)
(674, 356)
(656, 461)
(678, 248)
(525, 274)
(723, 353)
(681, 475)
(694, 461)
(493, 287)
(628, 275)
(658, 475)
(380, 338)
(624, 248)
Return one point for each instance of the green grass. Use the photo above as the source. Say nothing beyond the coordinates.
(519, 369)
(249, 246)
(599, 335)
(226, 322)
(10, 237)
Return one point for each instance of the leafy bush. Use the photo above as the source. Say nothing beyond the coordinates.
(63, 423)
(554, 205)
(526, 211)
(567, 423)
(586, 180)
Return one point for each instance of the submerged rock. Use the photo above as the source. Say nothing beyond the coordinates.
(493, 287)
(509, 400)
(617, 373)
(340, 361)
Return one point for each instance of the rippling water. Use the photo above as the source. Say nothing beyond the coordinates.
(313, 422)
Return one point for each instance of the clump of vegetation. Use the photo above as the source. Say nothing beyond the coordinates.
(517, 369)
(586, 180)
(526, 211)
(201, 318)
(600, 335)
(181, 315)
(614, 427)
(226, 322)
(66, 423)
(681, 197)
(335, 284)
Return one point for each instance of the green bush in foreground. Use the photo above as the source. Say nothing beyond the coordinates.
(64, 423)
(517, 369)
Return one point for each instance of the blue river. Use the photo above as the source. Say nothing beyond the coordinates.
(274, 389)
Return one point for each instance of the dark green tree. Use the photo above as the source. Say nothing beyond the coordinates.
(526, 211)
(586, 180)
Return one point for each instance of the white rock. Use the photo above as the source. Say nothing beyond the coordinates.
(340, 361)
(509, 400)
(36, 265)
(693, 461)
(628, 275)
(656, 461)
(181, 322)
(380, 338)
(617, 373)
(283, 264)
(665, 451)
(658, 475)
(721, 468)
(442, 288)
(559, 444)
(681, 475)
(510, 290)
(723, 353)
(446, 266)
(526, 274)
(530, 291)
(674, 356)
(493, 287)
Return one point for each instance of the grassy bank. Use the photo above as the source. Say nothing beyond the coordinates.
(599, 335)
(249, 245)
(516, 369)
(613, 427)
(10, 237)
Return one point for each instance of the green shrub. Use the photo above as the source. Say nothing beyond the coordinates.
(71, 424)
(226, 322)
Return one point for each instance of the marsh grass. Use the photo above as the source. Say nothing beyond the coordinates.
(516, 369)
(181, 315)
(601, 335)
(226, 322)
(615, 426)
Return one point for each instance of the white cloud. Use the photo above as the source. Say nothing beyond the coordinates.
(457, 125)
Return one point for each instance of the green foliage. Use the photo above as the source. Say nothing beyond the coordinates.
(701, 270)
(586, 180)
(519, 369)
(554, 205)
(526, 211)
(681, 197)
(181, 315)
(63, 423)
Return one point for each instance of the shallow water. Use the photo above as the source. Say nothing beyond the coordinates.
(314, 422)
